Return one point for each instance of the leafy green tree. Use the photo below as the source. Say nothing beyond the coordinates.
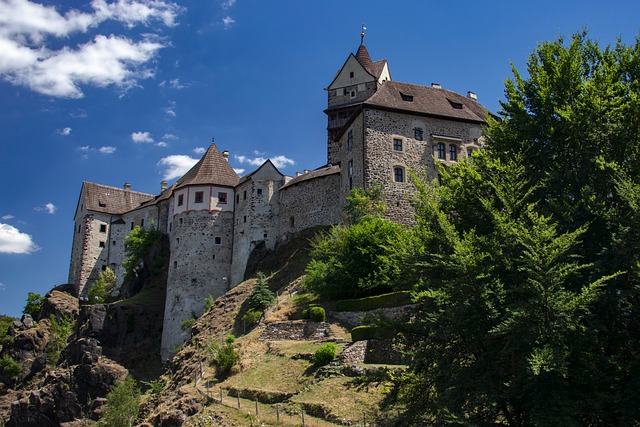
(363, 259)
(261, 297)
(101, 290)
(34, 304)
(364, 202)
(137, 246)
(59, 332)
(10, 368)
(123, 404)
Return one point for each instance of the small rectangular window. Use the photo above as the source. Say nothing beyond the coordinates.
(237, 198)
(244, 219)
(132, 225)
(441, 154)
(398, 174)
(180, 199)
(405, 97)
(222, 198)
(350, 140)
(418, 134)
(469, 152)
(244, 195)
(104, 267)
(199, 197)
(259, 191)
(103, 228)
(350, 168)
(218, 240)
(101, 244)
(142, 223)
(113, 243)
(397, 144)
(351, 74)
(453, 152)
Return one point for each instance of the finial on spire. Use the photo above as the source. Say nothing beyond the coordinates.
(213, 140)
(362, 34)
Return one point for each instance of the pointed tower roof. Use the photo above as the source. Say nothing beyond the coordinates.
(213, 168)
(362, 55)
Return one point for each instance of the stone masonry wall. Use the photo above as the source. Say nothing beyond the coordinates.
(200, 265)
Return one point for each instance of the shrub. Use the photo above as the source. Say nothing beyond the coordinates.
(123, 404)
(261, 297)
(208, 303)
(317, 314)
(325, 354)
(251, 317)
(59, 333)
(187, 324)
(101, 289)
(305, 314)
(360, 333)
(137, 246)
(394, 299)
(10, 367)
(223, 357)
(230, 339)
(34, 304)
(155, 386)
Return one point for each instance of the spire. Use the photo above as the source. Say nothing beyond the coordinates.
(362, 34)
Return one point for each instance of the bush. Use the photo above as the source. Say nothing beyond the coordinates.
(155, 386)
(123, 404)
(137, 246)
(251, 317)
(101, 289)
(360, 333)
(394, 299)
(187, 324)
(10, 367)
(261, 297)
(59, 333)
(34, 304)
(317, 314)
(325, 354)
(305, 314)
(208, 303)
(223, 357)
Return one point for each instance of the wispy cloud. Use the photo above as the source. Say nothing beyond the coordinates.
(13, 241)
(161, 144)
(29, 31)
(228, 21)
(2, 287)
(278, 161)
(65, 131)
(199, 150)
(176, 165)
(171, 109)
(227, 4)
(169, 136)
(141, 137)
(174, 84)
(239, 171)
(107, 150)
(8, 217)
(49, 208)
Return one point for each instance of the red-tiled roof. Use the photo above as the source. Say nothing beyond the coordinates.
(213, 168)
(112, 200)
(427, 100)
(373, 68)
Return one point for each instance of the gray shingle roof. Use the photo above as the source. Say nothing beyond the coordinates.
(427, 100)
(112, 200)
(212, 168)
(323, 171)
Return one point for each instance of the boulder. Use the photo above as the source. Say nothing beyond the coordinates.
(58, 303)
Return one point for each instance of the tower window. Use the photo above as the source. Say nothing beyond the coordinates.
(418, 134)
(199, 197)
(292, 222)
(113, 243)
(397, 144)
(244, 195)
(237, 198)
(350, 140)
(142, 223)
(441, 150)
(259, 191)
(469, 152)
(217, 240)
(103, 228)
(350, 168)
(244, 219)
(398, 174)
(351, 74)
(175, 264)
(180, 199)
(222, 198)
(453, 152)
(101, 244)
(132, 225)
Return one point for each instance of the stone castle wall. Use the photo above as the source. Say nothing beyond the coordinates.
(200, 265)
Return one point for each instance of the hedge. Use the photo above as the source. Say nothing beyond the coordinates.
(360, 333)
(394, 299)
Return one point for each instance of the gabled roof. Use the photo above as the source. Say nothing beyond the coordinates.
(427, 100)
(112, 200)
(323, 171)
(212, 168)
(267, 164)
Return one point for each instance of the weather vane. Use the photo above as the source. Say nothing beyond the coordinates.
(362, 33)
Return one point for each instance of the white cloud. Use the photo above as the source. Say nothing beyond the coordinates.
(50, 208)
(65, 131)
(12, 241)
(141, 137)
(239, 171)
(199, 150)
(162, 144)
(28, 58)
(176, 165)
(107, 150)
(226, 4)
(169, 136)
(228, 21)
(2, 287)
(84, 148)
(174, 83)
(8, 217)
(171, 109)
(278, 161)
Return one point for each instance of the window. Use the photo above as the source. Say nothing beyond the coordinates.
(237, 198)
(181, 220)
(199, 197)
(259, 191)
(292, 222)
(353, 93)
(469, 152)
(218, 240)
(418, 134)
(453, 152)
(103, 228)
(344, 91)
(132, 225)
(244, 195)
(104, 267)
(180, 199)
(350, 140)
(101, 244)
(113, 243)
(350, 183)
(222, 198)
(142, 223)
(351, 74)
(177, 240)
(102, 204)
(441, 150)
(407, 98)
(79, 227)
(350, 168)
(398, 174)
(397, 144)
(244, 219)
(175, 264)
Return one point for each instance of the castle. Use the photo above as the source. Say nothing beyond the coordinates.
(377, 131)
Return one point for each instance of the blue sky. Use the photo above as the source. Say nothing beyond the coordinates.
(133, 90)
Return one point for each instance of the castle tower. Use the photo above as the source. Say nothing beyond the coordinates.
(357, 80)
(201, 240)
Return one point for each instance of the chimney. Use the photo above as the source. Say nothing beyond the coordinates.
(127, 186)
(472, 95)
(306, 171)
(163, 186)
(436, 85)
(298, 174)
(225, 154)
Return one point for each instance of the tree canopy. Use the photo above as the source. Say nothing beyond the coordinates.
(527, 307)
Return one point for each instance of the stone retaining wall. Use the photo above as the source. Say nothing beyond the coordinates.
(297, 330)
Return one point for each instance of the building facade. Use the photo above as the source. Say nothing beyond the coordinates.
(378, 132)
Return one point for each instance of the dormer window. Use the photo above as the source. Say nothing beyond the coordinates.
(405, 97)
(102, 204)
(455, 105)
